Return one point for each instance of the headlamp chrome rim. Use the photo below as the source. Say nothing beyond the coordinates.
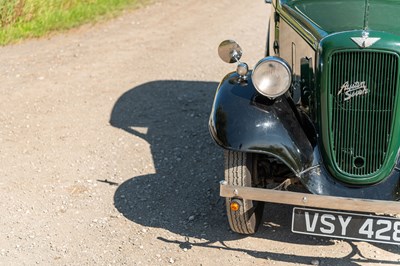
(282, 63)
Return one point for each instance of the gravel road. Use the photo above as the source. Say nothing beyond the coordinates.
(106, 156)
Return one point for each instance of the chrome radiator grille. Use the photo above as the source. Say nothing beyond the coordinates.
(362, 94)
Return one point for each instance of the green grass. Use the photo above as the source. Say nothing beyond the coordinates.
(21, 19)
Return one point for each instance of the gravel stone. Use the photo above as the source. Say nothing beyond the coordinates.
(106, 157)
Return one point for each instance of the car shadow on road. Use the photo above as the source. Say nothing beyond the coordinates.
(183, 195)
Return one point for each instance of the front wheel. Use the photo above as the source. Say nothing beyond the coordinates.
(241, 170)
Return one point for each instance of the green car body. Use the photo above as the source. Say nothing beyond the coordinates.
(345, 63)
(359, 146)
(329, 17)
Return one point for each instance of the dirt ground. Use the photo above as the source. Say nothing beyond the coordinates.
(106, 156)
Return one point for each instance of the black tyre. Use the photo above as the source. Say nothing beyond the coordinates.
(241, 170)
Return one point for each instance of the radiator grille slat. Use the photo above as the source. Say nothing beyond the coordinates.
(362, 92)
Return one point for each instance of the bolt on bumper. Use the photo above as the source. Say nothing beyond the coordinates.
(383, 207)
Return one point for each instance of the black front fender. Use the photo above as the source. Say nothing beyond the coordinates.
(240, 121)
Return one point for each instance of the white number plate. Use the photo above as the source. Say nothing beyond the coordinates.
(346, 225)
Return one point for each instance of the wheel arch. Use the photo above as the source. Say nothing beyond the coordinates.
(239, 121)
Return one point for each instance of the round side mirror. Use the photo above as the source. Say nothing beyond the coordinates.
(229, 51)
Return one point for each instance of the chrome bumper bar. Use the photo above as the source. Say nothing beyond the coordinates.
(310, 200)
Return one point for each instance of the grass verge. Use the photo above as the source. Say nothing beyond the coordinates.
(21, 19)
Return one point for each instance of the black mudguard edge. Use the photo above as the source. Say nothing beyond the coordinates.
(239, 122)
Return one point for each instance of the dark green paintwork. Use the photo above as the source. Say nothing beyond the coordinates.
(342, 41)
(384, 15)
(327, 26)
(331, 16)
(337, 16)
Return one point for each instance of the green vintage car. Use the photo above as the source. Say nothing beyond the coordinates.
(315, 123)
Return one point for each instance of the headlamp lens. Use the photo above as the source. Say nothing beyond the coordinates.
(272, 77)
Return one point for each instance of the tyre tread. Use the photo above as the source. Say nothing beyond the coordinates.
(237, 173)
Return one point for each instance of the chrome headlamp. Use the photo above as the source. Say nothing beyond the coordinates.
(272, 76)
